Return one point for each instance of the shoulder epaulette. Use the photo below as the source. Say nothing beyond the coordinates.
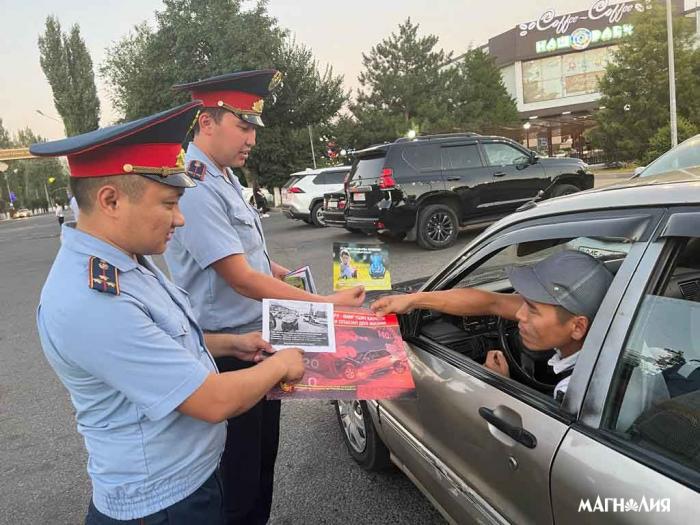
(103, 276)
(196, 169)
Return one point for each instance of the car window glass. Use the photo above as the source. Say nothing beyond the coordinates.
(610, 250)
(474, 336)
(421, 157)
(320, 179)
(654, 398)
(499, 154)
(291, 181)
(335, 177)
(460, 157)
(368, 168)
(686, 155)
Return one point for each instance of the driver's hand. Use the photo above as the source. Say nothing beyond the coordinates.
(496, 362)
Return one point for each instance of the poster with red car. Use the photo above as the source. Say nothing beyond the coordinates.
(369, 362)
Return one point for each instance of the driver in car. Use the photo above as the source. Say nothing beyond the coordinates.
(555, 303)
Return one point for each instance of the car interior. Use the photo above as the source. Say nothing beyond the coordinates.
(474, 336)
(655, 400)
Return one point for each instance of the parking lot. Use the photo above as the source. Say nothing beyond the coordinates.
(43, 478)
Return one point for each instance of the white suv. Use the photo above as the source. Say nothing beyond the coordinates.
(302, 194)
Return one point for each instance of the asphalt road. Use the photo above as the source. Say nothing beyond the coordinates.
(42, 457)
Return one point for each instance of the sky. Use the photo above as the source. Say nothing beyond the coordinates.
(337, 33)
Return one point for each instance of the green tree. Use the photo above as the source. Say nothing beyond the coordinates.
(403, 84)
(478, 97)
(660, 142)
(67, 65)
(195, 39)
(635, 86)
(31, 180)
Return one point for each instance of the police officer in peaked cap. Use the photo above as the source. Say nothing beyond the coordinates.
(220, 257)
(149, 400)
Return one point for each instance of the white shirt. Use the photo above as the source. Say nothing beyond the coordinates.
(59, 211)
(560, 365)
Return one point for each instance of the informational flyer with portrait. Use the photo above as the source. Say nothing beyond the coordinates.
(300, 324)
(361, 264)
(370, 362)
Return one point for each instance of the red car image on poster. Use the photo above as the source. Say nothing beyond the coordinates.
(369, 362)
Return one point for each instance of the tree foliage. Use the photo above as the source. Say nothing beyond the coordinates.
(26, 178)
(635, 92)
(195, 39)
(67, 65)
(408, 83)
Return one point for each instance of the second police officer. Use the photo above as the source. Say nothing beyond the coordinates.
(221, 259)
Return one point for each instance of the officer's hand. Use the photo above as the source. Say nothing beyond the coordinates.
(496, 362)
(392, 304)
(350, 297)
(292, 359)
(251, 347)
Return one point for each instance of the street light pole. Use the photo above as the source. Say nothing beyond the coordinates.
(671, 75)
(311, 141)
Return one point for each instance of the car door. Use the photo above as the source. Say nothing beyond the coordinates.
(479, 444)
(634, 456)
(465, 174)
(514, 175)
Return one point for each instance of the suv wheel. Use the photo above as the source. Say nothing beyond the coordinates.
(438, 227)
(564, 189)
(363, 443)
(317, 215)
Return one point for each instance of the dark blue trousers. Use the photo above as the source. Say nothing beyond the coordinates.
(203, 507)
(248, 462)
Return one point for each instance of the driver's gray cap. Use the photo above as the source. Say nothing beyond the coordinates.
(571, 279)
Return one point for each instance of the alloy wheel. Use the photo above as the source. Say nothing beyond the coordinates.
(353, 423)
(440, 227)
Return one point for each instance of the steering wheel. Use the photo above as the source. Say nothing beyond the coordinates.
(522, 361)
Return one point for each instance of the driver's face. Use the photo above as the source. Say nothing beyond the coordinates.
(540, 327)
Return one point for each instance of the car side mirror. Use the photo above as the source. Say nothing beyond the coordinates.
(534, 157)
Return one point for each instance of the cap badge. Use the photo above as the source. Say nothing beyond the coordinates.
(258, 106)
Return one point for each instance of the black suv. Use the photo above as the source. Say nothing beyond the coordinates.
(426, 188)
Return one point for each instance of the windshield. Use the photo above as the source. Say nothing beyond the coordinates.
(685, 155)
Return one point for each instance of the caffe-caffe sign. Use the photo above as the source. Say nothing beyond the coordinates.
(600, 13)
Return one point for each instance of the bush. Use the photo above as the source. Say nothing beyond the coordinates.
(660, 142)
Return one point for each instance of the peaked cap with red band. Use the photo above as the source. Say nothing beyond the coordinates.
(241, 93)
(149, 147)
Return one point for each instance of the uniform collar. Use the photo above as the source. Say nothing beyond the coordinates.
(194, 153)
(80, 242)
(560, 364)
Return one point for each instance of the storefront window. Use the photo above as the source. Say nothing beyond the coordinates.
(565, 75)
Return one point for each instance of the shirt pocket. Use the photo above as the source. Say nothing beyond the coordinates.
(174, 323)
(246, 230)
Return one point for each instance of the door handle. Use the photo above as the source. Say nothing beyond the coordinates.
(453, 178)
(519, 434)
(499, 174)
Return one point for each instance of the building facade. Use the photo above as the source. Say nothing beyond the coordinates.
(551, 67)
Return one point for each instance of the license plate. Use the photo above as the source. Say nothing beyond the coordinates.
(358, 197)
(332, 204)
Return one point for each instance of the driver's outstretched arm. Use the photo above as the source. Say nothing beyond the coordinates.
(458, 301)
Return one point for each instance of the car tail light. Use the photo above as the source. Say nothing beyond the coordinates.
(341, 205)
(380, 225)
(386, 180)
(294, 189)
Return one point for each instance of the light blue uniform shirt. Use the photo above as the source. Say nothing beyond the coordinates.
(218, 223)
(128, 361)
